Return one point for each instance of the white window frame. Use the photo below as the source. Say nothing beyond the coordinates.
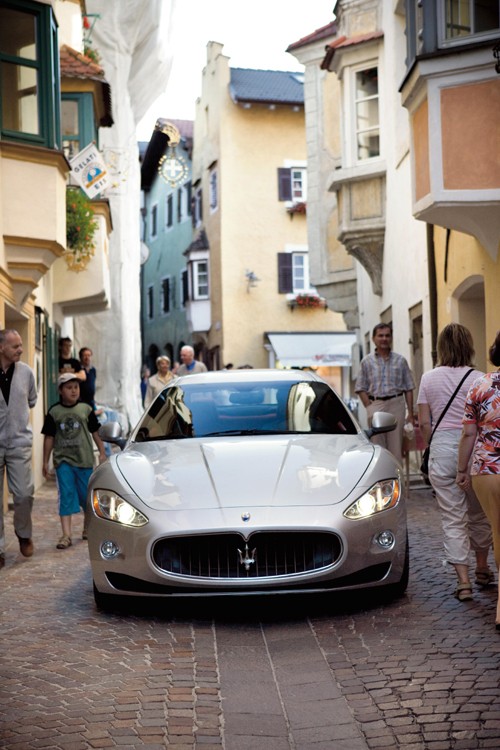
(473, 36)
(303, 252)
(354, 101)
(213, 188)
(196, 274)
(297, 165)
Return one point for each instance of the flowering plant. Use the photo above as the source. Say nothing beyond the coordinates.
(80, 229)
(309, 300)
(297, 208)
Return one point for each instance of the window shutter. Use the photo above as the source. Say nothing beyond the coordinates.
(185, 288)
(285, 276)
(284, 184)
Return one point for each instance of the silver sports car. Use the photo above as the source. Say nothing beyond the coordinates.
(247, 482)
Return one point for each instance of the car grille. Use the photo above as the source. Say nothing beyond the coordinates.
(265, 554)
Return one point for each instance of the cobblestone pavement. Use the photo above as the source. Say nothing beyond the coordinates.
(336, 673)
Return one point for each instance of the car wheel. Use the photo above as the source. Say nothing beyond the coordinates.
(104, 602)
(398, 589)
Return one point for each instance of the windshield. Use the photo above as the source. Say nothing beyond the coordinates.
(257, 408)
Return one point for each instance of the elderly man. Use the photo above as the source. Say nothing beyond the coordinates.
(17, 396)
(190, 365)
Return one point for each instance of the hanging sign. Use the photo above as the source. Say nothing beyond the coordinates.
(90, 171)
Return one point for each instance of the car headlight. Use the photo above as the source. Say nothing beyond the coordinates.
(112, 507)
(382, 496)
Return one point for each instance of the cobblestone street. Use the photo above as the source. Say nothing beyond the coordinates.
(338, 672)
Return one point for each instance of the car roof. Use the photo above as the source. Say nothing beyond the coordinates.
(247, 376)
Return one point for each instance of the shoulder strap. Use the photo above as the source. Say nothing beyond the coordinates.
(449, 402)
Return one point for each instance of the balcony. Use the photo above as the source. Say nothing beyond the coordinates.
(453, 101)
(34, 228)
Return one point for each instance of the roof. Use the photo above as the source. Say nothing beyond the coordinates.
(266, 86)
(200, 243)
(343, 42)
(76, 65)
(325, 32)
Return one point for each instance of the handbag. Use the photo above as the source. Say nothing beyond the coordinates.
(424, 466)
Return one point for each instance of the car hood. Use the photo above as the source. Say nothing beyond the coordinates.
(245, 471)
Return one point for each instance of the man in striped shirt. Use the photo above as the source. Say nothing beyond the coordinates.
(385, 383)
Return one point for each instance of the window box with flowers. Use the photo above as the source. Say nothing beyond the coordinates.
(297, 208)
(309, 300)
(80, 230)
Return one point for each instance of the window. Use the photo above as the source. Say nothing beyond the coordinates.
(366, 112)
(293, 273)
(213, 190)
(184, 287)
(200, 279)
(179, 205)
(29, 82)
(165, 295)
(77, 123)
(197, 204)
(154, 221)
(292, 184)
(468, 17)
(189, 207)
(170, 210)
(150, 302)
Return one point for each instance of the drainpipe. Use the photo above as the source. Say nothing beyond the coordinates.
(431, 268)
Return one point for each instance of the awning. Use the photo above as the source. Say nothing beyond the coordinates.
(313, 349)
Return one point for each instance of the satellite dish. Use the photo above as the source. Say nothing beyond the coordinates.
(144, 253)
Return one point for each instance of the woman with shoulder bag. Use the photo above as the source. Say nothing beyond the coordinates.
(481, 440)
(441, 401)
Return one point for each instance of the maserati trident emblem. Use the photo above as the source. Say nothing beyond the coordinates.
(249, 558)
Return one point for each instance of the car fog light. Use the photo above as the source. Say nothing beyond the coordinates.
(109, 549)
(386, 539)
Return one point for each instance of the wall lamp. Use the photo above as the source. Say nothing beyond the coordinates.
(251, 279)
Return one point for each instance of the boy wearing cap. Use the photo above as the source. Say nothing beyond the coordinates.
(69, 427)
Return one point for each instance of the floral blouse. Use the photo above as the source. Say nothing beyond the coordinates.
(482, 408)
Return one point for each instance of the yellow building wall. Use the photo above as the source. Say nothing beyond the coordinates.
(467, 266)
(251, 226)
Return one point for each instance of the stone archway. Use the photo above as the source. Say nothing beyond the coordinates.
(469, 304)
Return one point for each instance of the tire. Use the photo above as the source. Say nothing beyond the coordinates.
(397, 590)
(105, 602)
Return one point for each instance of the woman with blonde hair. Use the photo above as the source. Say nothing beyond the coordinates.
(157, 382)
(481, 440)
(463, 522)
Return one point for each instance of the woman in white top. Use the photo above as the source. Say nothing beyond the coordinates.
(157, 383)
(464, 524)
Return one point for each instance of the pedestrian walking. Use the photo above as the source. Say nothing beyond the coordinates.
(69, 427)
(68, 363)
(157, 382)
(87, 386)
(189, 364)
(17, 396)
(441, 401)
(385, 383)
(481, 441)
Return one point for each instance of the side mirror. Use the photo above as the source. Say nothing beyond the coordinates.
(381, 422)
(111, 432)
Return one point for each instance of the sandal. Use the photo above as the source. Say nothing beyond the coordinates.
(64, 542)
(463, 592)
(484, 576)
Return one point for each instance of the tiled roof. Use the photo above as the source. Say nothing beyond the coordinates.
(266, 86)
(342, 42)
(325, 32)
(76, 65)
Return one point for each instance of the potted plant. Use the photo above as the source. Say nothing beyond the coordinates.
(80, 229)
